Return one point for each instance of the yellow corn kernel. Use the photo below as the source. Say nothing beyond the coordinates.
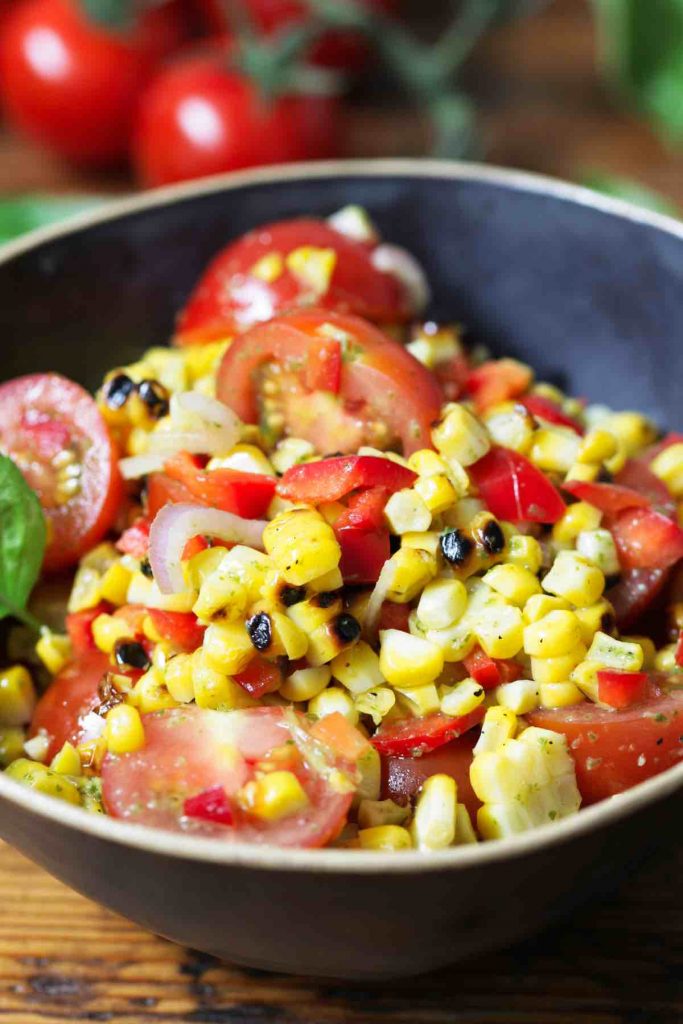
(668, 466)
(107, 630)
(599, 548)
(557, 670)
(66, 761)
(37, 747)
(461, 436)
(618, 460)
(597, 446)
(305, 683)
(246, 458)
(358, 669)
(406, 512)
(227, 647)
(54, 650)
(17, 696)
(202, 565)
(385, 837)
(426, 462)
(559, 695)
(594, 618)
(150, 693)
(274, 796)
(201, 360)
(618, 654)
(329, 581)
(407, 660)
(437, 492)
(410, 570)
(44, 780)
(462, 698)
(521, 696)
(332, 699)
(665, 659)
(115, 583)
(512, 427)
(513, 582)
(500, 631)
(586, 472)
(585, 677)
(375, 813)
(302, 545)
(419, 701)
(308, 615)
(291, 451)
(236, 582)
(577, 518)
(648, 648)
(142, 590)
(557, 633)
(464, 829)
(216, 690)
(434, 821)
(540, 605)
(432, 349)
(633, 429)
(12, 739)
(369, 766)
(287, 638)
(313, 267)
(442, 603)
(426, 540)
(575, 579)
(124, 731)
(178, 678)
(524, 552)
(499, 725)
(376, 703)
(554, 449)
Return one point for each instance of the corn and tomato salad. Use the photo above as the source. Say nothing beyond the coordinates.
(333, 578)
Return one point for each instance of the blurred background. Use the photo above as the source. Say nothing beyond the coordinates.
(102, 97)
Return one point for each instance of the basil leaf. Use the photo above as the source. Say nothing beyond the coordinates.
(24, 213)
(114, 14)
(632, 191)
(23, 537)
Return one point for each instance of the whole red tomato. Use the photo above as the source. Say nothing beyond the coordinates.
(74, 85)
(200, 117)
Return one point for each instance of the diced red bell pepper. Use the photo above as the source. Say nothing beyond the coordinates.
(259, 677)
(79, 627)
(452, 376)
(244, 494)
(545, 409)
(609, 498)
(323, 366)
(496, 381)
(394, 616)
(491, 672)
(343, 739)
(135, 540)
(679, 650)
(514, 489)
(162, 490)
(365, 510)
(332, 479)
(210, 805)
(646, 539)
(363, 554)
(409, 737)
(181, 629)
(194, 546)
(621, 689)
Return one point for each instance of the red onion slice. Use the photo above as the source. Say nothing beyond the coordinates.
(174, 525)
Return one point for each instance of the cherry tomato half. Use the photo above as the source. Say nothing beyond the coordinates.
(55, 433)
(402, 777)
(633, 594)
(62, 710)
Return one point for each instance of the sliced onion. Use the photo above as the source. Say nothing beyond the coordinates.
(209, 410)
(377, 598)
(393, 259)
(174, 525)
(206, 441)
(141, 465)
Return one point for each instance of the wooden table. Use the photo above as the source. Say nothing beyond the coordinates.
(65, 959)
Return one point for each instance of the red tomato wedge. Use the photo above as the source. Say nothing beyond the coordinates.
(514, 489)
(179, 628)
(646, 539)
(63, 709)
(44, 420)
(332, 479)
(259, 677)
(498, 380)
(245, 494)
(403, 776)
(621, 689)
(545, 409)
(637, 475)
(634, 593)
(614, 750)
(410, 737)
(385, 396)
(190, 750)
(491, 672)
(609, 498)
(232, 296)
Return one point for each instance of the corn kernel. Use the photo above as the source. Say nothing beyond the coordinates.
(227, 647)
(514, 583)
(150, 693)
(358, 669)
(434, 821)
(461, 699)
(559, 695)
(54, 650)
(124, 731)
(525, 552)
(540, 605)
(308, 615)
(11, 744)
(44, 780)
(575, 579)
(464, 829)
(274, 796)
(617, 654)
(407, 660)
(597, 446)
(375, 813)
(499, 630)
(585, 677)
(576, 519)
(559, 669)
(593, 618)
(633, 429)
(17, 696)
(437, 492)
(665, 659)
(512, 427)
(305, 683)
(302, 545)
(599, 548)
(648, 648)
(333, 699)
(66, 761)
(557, 633)
(406, 512)
(521, 696)
(115, 583)
(586, 472)
(313, 267)
(236, 582)
(376, 703)
(329, 581)
(410, 570)
(427, 540)
(419, 701)
(426, 462)
(178, 678)
(202, 565)
(499, 725)
(215, 690)
(291, 451)
(385, 837)
(554, 449)
(442, 603)
(668, 466)
(461, 436)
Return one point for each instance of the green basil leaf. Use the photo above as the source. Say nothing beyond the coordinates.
(632, 191)
(25, 213)
(23, 536)
(114, 14)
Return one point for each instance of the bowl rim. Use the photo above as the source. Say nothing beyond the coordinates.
(326, 860)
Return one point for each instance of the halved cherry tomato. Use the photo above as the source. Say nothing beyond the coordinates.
(363, 553)
(614, 750)
(230, 297)
(181, 629)
(634, 593)
(646, 539)
(637, 475)
(259, 677)
(135, 540)
(452, 376)
(497, 380)
(245, 494)
(79, 628)
(609, 498)
(402, 777)
(210, 805)
(545, 409)
(161, 490)
(63, 709)
(410, 737)
(190, 750)
(332, 479)
(385, 395)
(621, 689)
(491, 672)
(43, 416)
(513, 488)
(394, 616)
(336, 733)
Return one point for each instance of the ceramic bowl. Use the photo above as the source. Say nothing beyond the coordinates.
(588, 290)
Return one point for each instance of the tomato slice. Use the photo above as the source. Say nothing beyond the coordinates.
(679, 649)
(614, 750)
(609, 498)
(491, 672)
(646, 539)
(385, 397)
(637, 475)
(514, 489)
(497, 380)
(210, 805)
(63, 709)
(621, 689)
(135, 540)
(79, 628)
(332, 479)
(245, 494)
(363, 553)
(181, 629)
(259, 677)
(190, 750)
(232, 295)
(634, 593)
(545, 409)
(55, 433)
(402, 777)
(410, 737)
(394, 616)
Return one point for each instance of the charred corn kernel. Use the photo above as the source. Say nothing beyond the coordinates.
(426, 462)
(17, 696)
(302, 545)
(358, 669)
(54, 650)
(668, 466)
(577, 518)
(115, 583)
(385, 837)
(648, 648)
(376, 703)
(411, 570)
(633, 429)
(557, 633)
(593, 618)
(291, 451)
(200, 566)
(426, 540)
(499, 725)
(305, 683)
(215, 690)
(107, 629)
(178, 678)
(461, 699)
(369, 767)
(540, 605)
(554, 449)
(310, 614)
(142, 590)
(500, 631)
(617, 654)
(124, 731)
(586, 472)
(512, 427)
(329, 581)
(513, 582)
(406, 512)
(419, 701)
(44, 780)
(464, 829)
(521, 696)
(442, 603)
(233, 584)
(437, 492)
(524, 552)
(66, 761)
(434, 821)
(575, 579)
(288, 639)
(597, 446)
(269, 267)
(665, 659)
(227, 647)
(313, 267)
(375, 813)
(169, 367)
(599, 548)
(333, 699)
(559, 695)
(461, 436)
(12, 739)
(246, 458)
(407, 660)
(150, 693)
(274, 796)
(559, 669)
